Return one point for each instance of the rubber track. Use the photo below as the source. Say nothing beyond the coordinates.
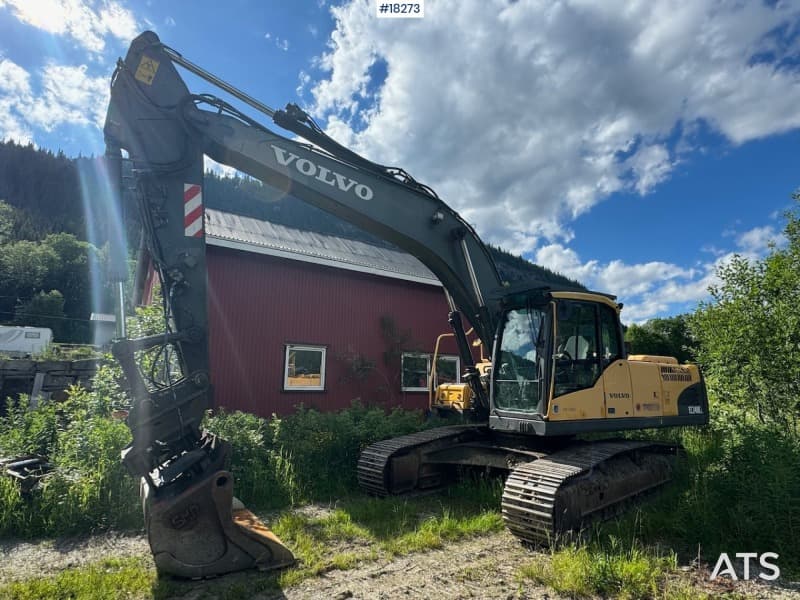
(374, 459)
(531, 489)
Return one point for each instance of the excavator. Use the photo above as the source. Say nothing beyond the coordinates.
(558, 366)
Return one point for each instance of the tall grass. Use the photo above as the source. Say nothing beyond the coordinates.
(276, 463)
(89, 488)
(309, 455)
(739, 491)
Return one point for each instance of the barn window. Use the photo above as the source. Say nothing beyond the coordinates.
(415, 370)
(304, 368)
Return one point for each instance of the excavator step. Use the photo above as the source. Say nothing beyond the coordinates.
(545, 499)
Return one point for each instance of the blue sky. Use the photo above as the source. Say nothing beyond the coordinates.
(633, 145)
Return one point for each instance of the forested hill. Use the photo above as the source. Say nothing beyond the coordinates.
(43, 193)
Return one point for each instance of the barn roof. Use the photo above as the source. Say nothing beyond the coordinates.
(262, 237)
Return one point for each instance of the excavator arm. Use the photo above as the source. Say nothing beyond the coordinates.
(193, 524)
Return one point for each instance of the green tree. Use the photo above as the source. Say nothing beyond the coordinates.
(23, 268)
(663, 337)
(7, 220)
(72, 275)
(749, 336)
(43, 310)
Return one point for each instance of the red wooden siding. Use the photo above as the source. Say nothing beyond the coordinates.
(259, 303)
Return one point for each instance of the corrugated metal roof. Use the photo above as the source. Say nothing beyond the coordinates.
(248, 234)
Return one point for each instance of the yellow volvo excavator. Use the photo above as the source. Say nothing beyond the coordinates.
(558, 365)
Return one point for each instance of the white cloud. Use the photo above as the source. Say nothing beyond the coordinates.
(12, 126)
(304, 79)
(524, 115)
(66, 94)
(15, 94)
(280, 43)
(647, 289)
(69, 95)
(757, 240)
(14, 80)
(88, 23)
(655, 288)
(650, 165)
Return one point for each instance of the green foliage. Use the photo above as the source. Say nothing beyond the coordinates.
(738, 482)
(27, 432)
(7, 221)
(24, 265)
(308, 455)
(43, 310)
(749, 335)
(263, 478)
(323, 448)
(663, 337)
(606, 569)
(60, 264)
(89, 488)
(147, 320)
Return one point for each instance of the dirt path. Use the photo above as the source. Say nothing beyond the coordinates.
(477, 568)
(482, 567)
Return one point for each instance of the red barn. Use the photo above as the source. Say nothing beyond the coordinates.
(297, 317)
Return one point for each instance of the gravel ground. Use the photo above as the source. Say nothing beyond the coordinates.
(23, 560)
(481, 567)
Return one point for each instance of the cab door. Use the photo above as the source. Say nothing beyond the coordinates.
(617, 389)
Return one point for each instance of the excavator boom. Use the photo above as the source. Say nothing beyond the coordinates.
(166, 131)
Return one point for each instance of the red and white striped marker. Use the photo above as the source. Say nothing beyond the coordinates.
(192, 210)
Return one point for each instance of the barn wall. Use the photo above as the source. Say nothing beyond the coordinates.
(259, 303)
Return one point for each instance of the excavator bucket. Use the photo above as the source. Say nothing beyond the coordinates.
(204, 532)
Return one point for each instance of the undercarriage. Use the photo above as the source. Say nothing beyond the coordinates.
(554, 486)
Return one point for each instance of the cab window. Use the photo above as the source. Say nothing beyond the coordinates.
(610, 346)
(517, 376)
(576, 354)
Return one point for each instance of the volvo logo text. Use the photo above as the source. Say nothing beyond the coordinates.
(332, 178)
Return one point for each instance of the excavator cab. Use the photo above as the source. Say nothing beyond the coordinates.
(561, 368)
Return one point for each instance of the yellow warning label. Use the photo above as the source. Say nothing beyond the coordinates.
(147, 70)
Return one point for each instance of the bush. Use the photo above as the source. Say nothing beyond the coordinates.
(737, 491)
(262, 478)
(308, 455)
(27, 432)
(89, 488)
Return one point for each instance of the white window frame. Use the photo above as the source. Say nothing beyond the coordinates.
(288, 348)
(428, 364)
(453, 357)
(427, 358)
